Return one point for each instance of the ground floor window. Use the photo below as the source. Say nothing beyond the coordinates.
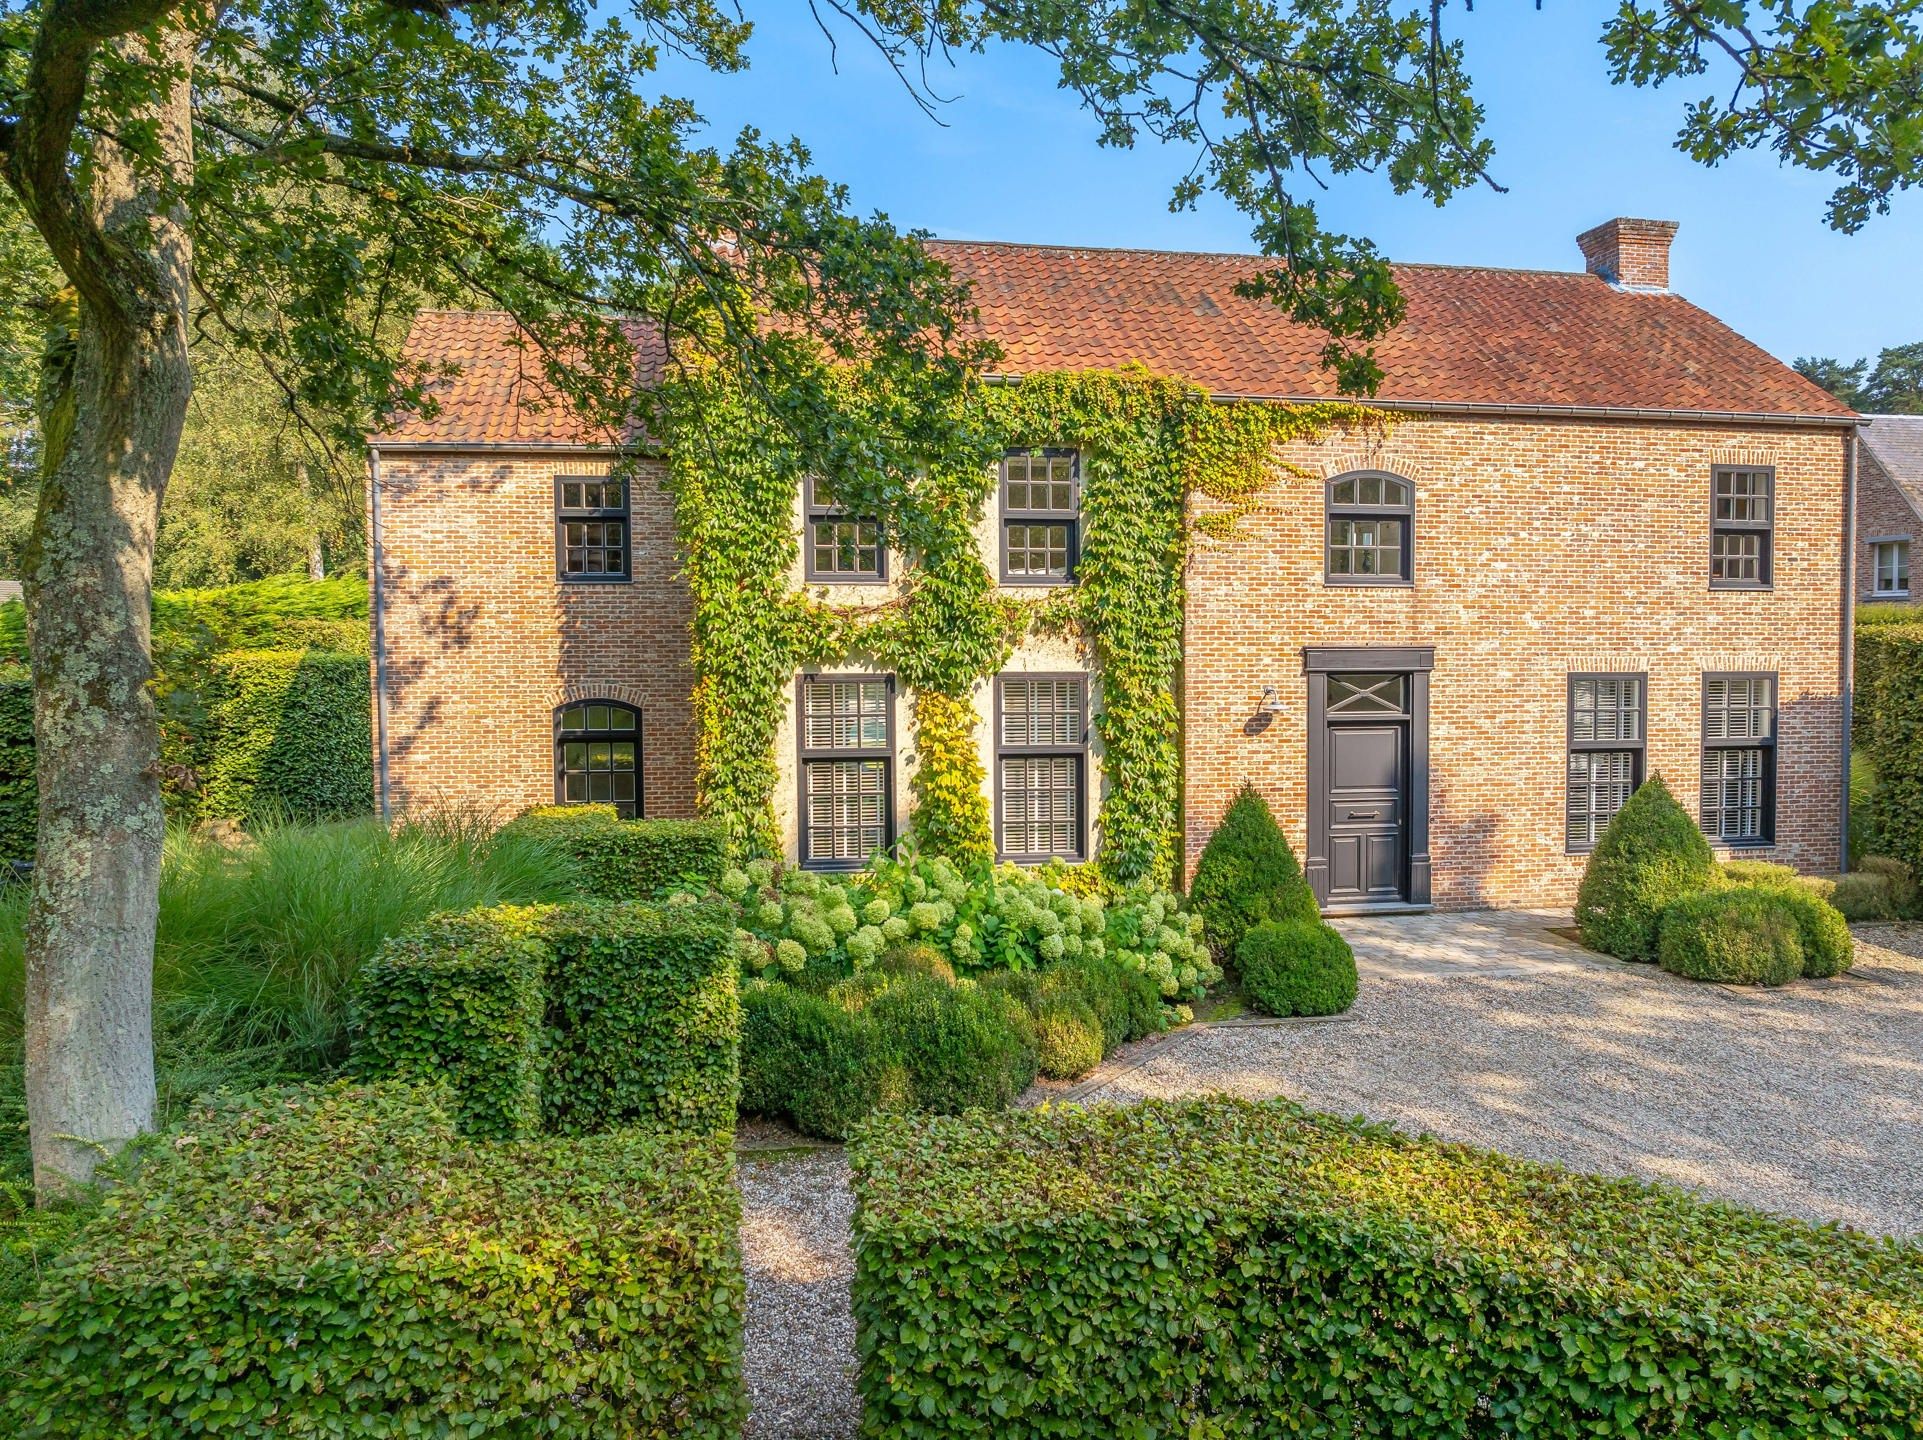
(1890, 560)
(597, 756)
(1739, 759)
(1041, 766)
(1607, 724)
(847, 744)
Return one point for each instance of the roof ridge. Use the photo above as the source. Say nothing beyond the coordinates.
(1246, 255)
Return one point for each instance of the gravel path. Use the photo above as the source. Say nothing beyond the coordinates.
(1487, 1028)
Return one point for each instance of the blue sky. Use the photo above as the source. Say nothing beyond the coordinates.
(1017, 160)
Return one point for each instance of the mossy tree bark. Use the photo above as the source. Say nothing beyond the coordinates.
(118, 384)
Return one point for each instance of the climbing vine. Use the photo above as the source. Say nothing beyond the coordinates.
(1148, 444)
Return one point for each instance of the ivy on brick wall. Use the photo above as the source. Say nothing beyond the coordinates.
(1149, 444)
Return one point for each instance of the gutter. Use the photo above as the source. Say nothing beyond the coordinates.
(1848, 676)
(377, 602)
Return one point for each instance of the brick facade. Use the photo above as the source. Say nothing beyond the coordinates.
(1883, 512)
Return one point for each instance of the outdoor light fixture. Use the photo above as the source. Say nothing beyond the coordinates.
(1271, 701)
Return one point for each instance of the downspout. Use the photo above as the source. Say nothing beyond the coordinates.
(377, 601)
(1849, 632)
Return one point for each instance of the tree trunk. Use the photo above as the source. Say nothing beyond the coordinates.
(90, 924)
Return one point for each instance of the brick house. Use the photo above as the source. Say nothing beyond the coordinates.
(1889, 506)
(1605, 537)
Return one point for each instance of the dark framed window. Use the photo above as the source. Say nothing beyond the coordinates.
(597, 756)
(846, 727)
(1608, 724)
(1739, 759)
(1371, 525)
(1041, 767)
(590, 527)
(1890, 566)
(1742, 526)
(843, 548)
(1041, 494)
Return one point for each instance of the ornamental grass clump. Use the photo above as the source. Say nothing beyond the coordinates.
(1297, 967)
(1248, 875)
(1743, 936)
(1650, 854)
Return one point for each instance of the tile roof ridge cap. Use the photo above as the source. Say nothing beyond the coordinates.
(1152, 250)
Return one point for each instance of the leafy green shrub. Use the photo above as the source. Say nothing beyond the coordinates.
(1743, 936)
(337, 1261)
(1223, 1268)
(460, 997)
(30, 1241)
(810, 1060)
(1297, 967)
(1822, 932)
(290, 737)
(959, 1047)
(1248, 875)
(1863, 896)
(1125, 1001)
(919, 959)
(620, 859)
(1650, 854)
(19, 794)
(1068, 1037)
(643, 1017)
(1888, 711)
(1761, 872)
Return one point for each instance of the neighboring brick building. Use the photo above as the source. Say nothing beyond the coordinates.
(1889, 506)
(1445, 656)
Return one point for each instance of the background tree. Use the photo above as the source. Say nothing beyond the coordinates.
(1893, 386)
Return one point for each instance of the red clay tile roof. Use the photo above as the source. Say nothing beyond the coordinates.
(500, 395)
(1472, 337)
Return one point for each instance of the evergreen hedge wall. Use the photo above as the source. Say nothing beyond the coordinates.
(1888, 725)
(288, 736)
(19, 797)
(1224, 1268)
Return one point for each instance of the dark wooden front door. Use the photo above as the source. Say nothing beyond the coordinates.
(1367, 811)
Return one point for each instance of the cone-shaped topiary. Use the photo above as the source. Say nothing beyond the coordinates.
(1248, 875)
(1651, 853)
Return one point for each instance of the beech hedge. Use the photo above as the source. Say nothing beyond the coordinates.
(289, 736)
(630, 859)
(336, 1261)
(1888, 727)
(19, 792)
(1225, 1268)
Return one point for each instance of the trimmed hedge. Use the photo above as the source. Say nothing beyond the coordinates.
(19, 790)
(1297, 967)
(1248, 874)
(643, 1018)
(960, 1047)
(1742, 936)
(630, 859)
(459, 997)
(1650, 854)
(1224, 1268)
(813, 1060)
(290, 736)
(336, 1261)
(1888, 726)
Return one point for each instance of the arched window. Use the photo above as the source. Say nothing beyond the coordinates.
(1371, 530)
(597, 756)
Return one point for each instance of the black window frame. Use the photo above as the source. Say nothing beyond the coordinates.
(1070, 518)
(564, 736)
(805, 755)
(1764, 531)
(1638, 749)
(565, 514)
(1353, 511)
(1766, 768)
(1029, 750)
(1902, 542)
(816, 511)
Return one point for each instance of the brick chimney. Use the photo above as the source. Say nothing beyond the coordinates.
(1631, 253)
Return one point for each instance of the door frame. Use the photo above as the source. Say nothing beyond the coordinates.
(1318, 662)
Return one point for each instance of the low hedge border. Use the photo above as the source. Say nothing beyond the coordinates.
(335, 1261)
(1225, 1268)
(630, 859)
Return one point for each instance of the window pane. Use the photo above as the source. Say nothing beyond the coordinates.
(1732, 796)
(1736, 555)
(1041, 805)
(1343, 493)
(1739, 709)
(1600, 784)
(845, 715)
(1606, 707)
(1368, 694)
(1039, 712)
(1369, 490)
(600, 757)
(845, 809)
(571, 495)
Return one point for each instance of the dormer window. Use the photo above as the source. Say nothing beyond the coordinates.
(1041, 493)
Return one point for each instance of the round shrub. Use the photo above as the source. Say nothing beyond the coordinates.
(1068, 1037)
(813, 1061)
(918, 959)
(1248, 875)
(1297, 967)
(1828, 948)
(959, 1047)
(1759, 872)
(1744, 936)
(1651, 854)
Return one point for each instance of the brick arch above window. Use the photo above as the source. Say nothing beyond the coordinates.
(575, 693)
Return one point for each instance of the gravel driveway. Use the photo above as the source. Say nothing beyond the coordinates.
(1485, 1027)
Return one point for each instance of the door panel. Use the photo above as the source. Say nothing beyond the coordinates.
(1366, 811)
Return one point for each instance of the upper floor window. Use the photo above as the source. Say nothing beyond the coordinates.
(847, 725)
(1890, 567)
(1041, 492)
(1607, 715)
(1041, 757)
(1739, 759)
(842, 547)
(1371, 530)
(597, 756)
(1742, 525)
(590, 527)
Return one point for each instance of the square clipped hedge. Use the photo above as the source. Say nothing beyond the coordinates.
(1225, 1268)
(630, 859)
(335, 1261)
(1889, 729)
(643, 1017)
(459, 998)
